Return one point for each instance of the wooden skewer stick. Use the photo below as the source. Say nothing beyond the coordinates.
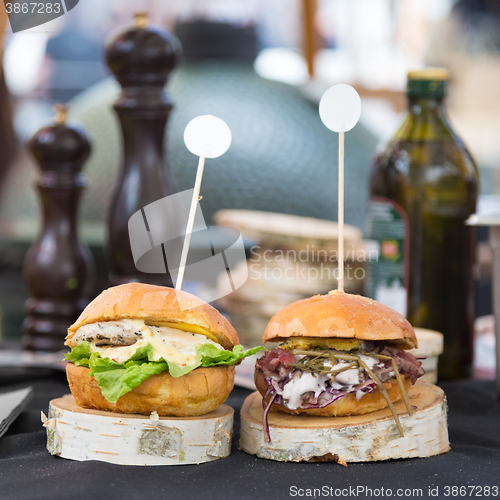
(340, 279)
(339, 110)
(206, 137)
(190, 223)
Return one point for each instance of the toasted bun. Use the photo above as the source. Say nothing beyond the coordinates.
(341, 315)
(156, 304)
(196, 393)
(348, 405)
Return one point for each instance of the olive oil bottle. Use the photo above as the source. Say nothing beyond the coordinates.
(423, 187)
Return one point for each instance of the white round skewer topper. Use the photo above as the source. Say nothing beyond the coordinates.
(339, 110)
(205, 136)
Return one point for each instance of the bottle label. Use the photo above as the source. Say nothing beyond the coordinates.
(388, 247)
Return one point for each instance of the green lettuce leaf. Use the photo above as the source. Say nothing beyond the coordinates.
(116, 379)
(79, 355)
(211, 356)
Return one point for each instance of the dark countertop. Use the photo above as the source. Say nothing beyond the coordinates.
(27, 470)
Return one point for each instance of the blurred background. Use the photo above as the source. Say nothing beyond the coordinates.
(262, 67)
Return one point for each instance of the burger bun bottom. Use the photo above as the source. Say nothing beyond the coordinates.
(197, 393)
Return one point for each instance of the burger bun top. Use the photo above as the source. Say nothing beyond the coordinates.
(156, 305)
(341, 315)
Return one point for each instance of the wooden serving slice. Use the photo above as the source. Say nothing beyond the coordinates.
(360, 438)
(82, 434)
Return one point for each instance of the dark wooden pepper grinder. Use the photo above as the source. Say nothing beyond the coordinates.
(141, 58)
(58, 268)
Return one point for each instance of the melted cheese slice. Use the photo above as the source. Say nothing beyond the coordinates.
(190, 328)
(172, 344)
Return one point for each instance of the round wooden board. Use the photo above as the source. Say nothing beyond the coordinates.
(83, 434)
(360, 438)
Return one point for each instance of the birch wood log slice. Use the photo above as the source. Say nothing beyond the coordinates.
(82, 434)
(360, 438)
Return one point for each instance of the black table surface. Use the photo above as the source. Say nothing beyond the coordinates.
(27, 470)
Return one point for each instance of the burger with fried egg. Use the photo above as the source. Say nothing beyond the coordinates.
(134, 349)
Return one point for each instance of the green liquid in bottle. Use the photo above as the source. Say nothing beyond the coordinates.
(427, 181)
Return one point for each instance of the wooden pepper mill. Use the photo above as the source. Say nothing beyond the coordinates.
(58, 268)
(141, 58)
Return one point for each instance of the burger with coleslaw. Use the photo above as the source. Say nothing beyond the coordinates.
(340, 355)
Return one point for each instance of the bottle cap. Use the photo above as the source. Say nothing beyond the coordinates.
(428, 82)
